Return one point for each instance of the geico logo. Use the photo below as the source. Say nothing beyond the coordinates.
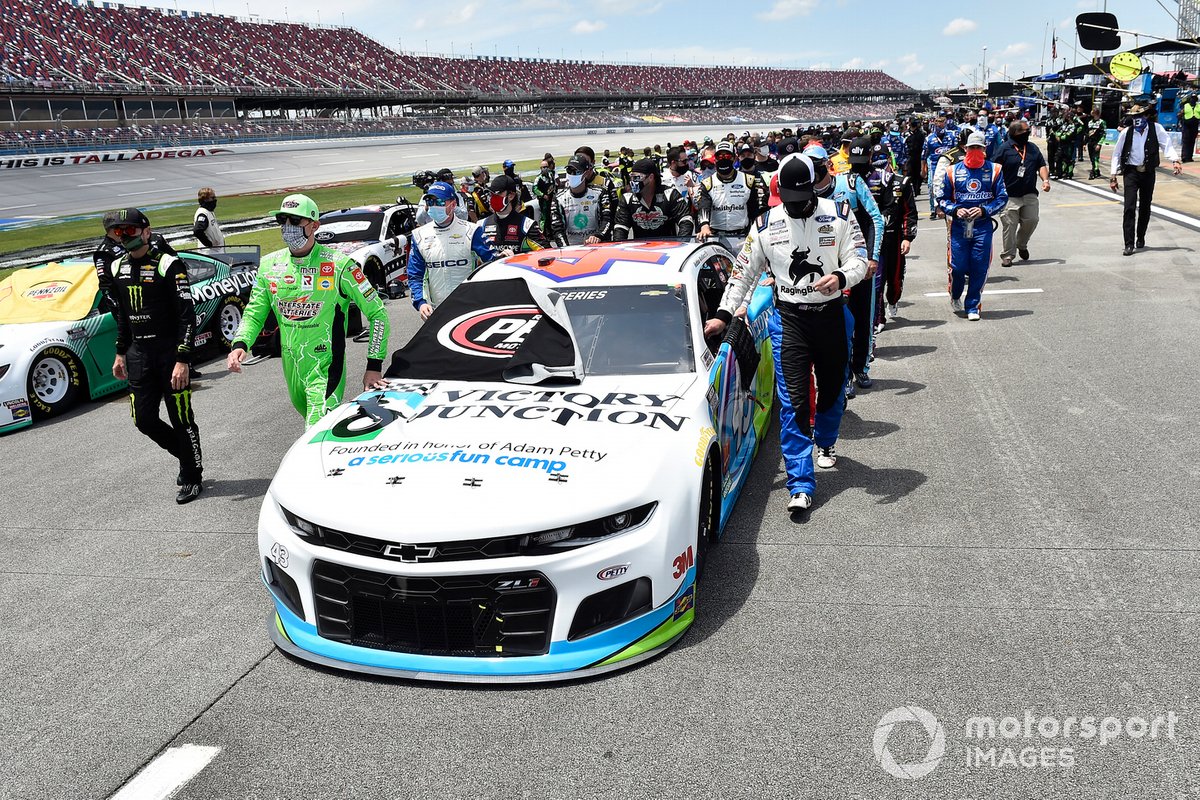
(449, 262)
(222, 288)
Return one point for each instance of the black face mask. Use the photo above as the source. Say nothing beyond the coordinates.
(861, 169)
(635, 187)
(209, 205)
(1021, 138)
(725, 166)
(826, 191)
(802, 209)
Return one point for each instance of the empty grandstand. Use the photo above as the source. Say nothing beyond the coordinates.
(72, 75)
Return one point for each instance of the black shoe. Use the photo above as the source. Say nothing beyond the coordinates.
(194, 373)
(1140, 244)
(864, 381)
(1023, 252)
(933, 215)
(851, 393)
(1128, 251)
(179, 478)
(188, 492)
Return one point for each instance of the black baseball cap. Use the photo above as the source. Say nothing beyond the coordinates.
(789, 145)
(126, 216)
(502, 183)
(796, 179)
(860, 151)
(646, 166)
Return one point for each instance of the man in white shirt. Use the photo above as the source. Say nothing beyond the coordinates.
(1136, 156)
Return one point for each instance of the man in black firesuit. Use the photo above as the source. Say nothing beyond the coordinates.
(508, 229)
(649, 209)
(155, 327)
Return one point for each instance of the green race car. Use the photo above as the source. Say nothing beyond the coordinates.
(57, 341)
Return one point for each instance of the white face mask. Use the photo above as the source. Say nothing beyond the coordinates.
(436, 213)
(574, 181)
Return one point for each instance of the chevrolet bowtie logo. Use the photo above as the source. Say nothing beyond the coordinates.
(409, 553)
(473, 482)
(558, 477)
(396, 481)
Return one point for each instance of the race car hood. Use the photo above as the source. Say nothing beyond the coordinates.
(428, 462)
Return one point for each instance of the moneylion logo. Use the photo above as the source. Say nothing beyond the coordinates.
(937, 744)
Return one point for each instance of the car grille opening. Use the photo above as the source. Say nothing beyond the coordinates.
(482, 616)
(603, 610)
(283, 587)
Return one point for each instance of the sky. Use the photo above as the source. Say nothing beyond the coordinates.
(933, 45)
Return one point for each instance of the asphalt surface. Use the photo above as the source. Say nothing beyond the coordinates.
(1010, 526)
(68, 190)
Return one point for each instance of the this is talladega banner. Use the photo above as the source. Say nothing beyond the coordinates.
(107, 157)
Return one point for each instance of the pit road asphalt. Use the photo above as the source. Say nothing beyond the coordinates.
(1011, 525)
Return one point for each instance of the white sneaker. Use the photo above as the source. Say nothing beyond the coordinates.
(891, 312)
(800, 502)
(826, 458)
(973, 316)
(956, 304)
(878, 327)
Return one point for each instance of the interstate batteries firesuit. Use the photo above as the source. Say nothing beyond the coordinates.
(971, 240)
(310, 296)
(797, 253)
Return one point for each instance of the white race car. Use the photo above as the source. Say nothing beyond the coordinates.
(534, 495)
(377, 238)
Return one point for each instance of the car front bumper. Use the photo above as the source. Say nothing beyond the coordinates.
(573, 578)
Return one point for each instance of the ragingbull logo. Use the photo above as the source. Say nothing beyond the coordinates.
(491, 333)
(802, 267)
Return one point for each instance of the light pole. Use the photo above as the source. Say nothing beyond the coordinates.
(985, 80)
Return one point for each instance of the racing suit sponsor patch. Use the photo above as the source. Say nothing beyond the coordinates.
(299, 309)
(327, 269)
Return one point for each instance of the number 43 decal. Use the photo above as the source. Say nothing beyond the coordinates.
(683, 562)
(279, 554)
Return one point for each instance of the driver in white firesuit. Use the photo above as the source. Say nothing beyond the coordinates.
(813, 250)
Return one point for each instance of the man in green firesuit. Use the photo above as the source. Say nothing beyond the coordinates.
(309, 287)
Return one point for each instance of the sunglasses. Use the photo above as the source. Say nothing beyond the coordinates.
(436, 202)
(127, 230)
(575, 171)
(288, 219)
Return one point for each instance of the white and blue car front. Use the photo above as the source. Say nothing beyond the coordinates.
(492, 531)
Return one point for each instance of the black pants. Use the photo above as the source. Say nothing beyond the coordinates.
(1189, 139)
(862, 302)
(813, 342)
(1052, 152)
(893, 265)
(149, 383)
(1139, 191)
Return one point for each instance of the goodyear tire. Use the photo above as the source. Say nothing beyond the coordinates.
(55, 382)
(226, 320)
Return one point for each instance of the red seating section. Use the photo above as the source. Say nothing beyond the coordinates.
(53, 43)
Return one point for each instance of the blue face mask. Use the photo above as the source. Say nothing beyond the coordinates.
(436, 213)
(1140, 124)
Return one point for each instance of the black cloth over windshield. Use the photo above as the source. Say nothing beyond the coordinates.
(485, 331)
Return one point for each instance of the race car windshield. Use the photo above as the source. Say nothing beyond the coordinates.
(350, 228)
(631, 330)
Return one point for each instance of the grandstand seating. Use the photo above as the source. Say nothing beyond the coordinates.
(55, 43)
(193, 134)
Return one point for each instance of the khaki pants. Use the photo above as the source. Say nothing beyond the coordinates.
(1019, 220)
